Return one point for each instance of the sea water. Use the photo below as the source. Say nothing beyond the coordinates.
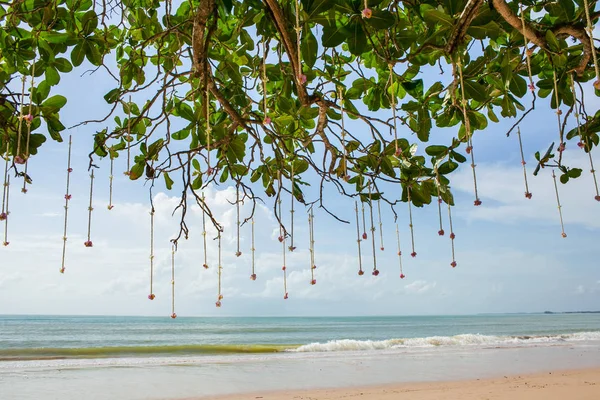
(48, 357)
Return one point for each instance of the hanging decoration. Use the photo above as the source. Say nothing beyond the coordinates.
(67, 198)
(523, 163)
(237, 209)
(358, 240)
(452, 235)
(375, 270)
(28, 121)
(282, 240)
(292, 247)
(7, 212)
(410, 224)
(151, 295)
(173, 315)
(402, 276)
(17, 156)
(346, 177)
(219, 272)
(562, 225)
(393, 105)
(298, 28)
(311, 235)
(582, 143)
(364, 235)
(380, 225)
(3, 212)
(88, 242)
(528, 52)
(110, 181)
(253, 275)
(205, 265)
(439, 200)
(468, 133)
(209, 170)
(562, 144)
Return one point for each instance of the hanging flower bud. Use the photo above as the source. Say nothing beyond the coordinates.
(62, 270)
(453, 264)
(382, 248)
(375, 272)
(313, 282)
(441, 232)
(238, 253)
(173, 316)
(67, 197)
(597, 85)
(218, 304)
(361, 272)
(88, 243)
(314, 267)
(5, 243)
(564, 235)
(364, 235)
(528, 195)
(597, 198)
(280, 238)
(205, 266)
(562, 147)
(283, 268)
(151, 296)
(19, 160)
(302, 79)
(291, 248)
(253, 277)
(3, 216)
(285, 297)
(452, 236)
(220, 297)
(402, 276)
(477, 202)
(110, 207)
(367, 13)
(413, 254)
(468, 149)
(267, 120)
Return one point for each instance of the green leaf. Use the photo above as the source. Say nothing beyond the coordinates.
(333, 36)
(314, 7)
(309, 48)
(552, 41)
(52, 76)
(381, 19)
(89, 22)
(197, 183)
(55, 103)
(447, 167)
(436, 150)
(475, 91)
(357, 40)
(137, 170)
(112, 96)
(168, 181)
(63, 65)
(78, 54)
(434, 16)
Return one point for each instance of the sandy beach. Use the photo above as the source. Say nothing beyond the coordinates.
(559, 385)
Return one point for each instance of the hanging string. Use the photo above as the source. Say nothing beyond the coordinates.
(528, 52)
(380, 225)
(311, 232)
(375, 270)
(17, 156)
(205, 265)
(590, 31)
(292, 247)
(345, 155)
(561, 146)
(452, 235)
(67, 198)
(173, 315)
(393, 103)
(360, 270)
(282, 240)
(581, 141)
(28, 120)
(410, 217)
(220, 295)
(128, 137)
(208, 131)
(6, 242)
(151, 295)
(527, 192)
(402, 276)
(253, 275)
(237, 209)
(364, 235)
(89, 243)
(110, 182)
(468, 132)
(562, 225)
(267, 119)
(439, 196)
(3, 213)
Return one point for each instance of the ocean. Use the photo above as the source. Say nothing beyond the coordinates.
(64, 357)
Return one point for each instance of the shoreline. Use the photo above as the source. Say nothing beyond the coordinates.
(575, 384)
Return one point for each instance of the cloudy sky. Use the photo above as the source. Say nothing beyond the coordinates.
(510, 253)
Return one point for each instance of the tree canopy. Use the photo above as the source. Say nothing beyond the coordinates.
(273, 95)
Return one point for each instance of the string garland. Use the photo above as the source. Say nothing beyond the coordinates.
(253, 275)
(6, 242)
(209, 170)
(28, 120)
(375, 270)
(358, 240)
(364, 235)
(590, 32)
(282, 239)
(393, 104)
(298, 28)
(89, 243)
(439, 200)
(17, 156)
(402, 276)
(110, 182)
(267, 119)
(219, 273)
(410, 224)
(452, 235)
(151, 296)
(468, 132)
(523, 163)
(562, 225)
(292, 247)
(345, 154)
(582, 142)
(380, 225)
(3, 213)
(205, 265)
(528, 51)
(237, 209)
(173, 314)
(67, 198)
(311, 234)
(562, 144)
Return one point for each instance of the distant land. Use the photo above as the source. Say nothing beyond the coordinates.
(572, 312)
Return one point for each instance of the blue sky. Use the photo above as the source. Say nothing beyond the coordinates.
(510, 253)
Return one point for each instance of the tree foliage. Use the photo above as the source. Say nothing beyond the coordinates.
(264, 93)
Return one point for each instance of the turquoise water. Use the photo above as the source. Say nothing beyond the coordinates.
(30, 337)
(131, 358)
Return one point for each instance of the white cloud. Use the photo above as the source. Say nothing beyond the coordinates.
(420, 287)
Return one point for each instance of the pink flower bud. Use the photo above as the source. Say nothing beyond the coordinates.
(528, 195)
(375, 272)
(88, 243)
(267, 120)
(361, 272)
(477, 202)
(173, 316)
(302, 79)
(441, 232)
(253, 277)
(313, 282)
(367, 13)
(413, 254)
(402, 276)
(151, 296)
(453, 264)
(19, 160)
